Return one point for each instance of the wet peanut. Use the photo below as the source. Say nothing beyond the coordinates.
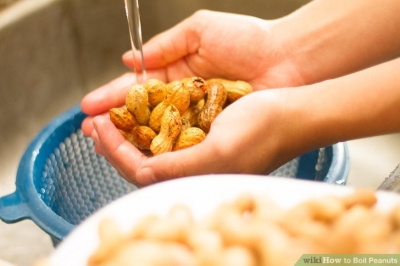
(122, 119)
(144, 136)
(156, 90)
(216, 98)
(137, 103)
(170, 129)
(130, 137)
(236, 89)
(197, 88)
(189, 137)
(178, 96)
(155, 116)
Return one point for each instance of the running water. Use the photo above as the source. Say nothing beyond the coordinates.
(135, 32)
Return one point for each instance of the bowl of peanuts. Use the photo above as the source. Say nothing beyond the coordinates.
(257, 221)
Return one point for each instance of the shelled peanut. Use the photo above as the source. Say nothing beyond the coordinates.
(162, 117)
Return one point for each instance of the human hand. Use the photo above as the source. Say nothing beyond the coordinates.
(246, 137)
(215, 44)
(207, 44)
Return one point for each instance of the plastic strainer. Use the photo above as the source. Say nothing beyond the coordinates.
(61, 180)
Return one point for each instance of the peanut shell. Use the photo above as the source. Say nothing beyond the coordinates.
(122, 119)
(137, 103)
(189, 137)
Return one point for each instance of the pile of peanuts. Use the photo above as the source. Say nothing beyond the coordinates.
(253, 230)
(160, 117)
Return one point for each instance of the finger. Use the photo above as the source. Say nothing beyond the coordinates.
(98, 150)
(95, 137)
(168, 47)
(141, 170)
(159, 73)
(197, 160)
(108, 96)
(87, 124)
(175, 71)
(122, 155)
(97, 147)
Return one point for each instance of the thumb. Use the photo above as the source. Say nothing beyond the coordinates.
(197, 160)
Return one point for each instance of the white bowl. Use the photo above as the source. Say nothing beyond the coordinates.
(202, 194)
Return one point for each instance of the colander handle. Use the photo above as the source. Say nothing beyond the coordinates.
(12, 209)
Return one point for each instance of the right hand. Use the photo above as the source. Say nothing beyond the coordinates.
(207, 44)
(214, 44)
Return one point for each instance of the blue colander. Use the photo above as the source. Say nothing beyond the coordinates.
(61, 180)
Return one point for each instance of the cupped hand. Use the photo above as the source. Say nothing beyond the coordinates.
(241, 140)
(207, 44)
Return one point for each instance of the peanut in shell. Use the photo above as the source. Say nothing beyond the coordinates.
(189, 137)
(178, 96)
(156, 91)
(236, 89)
(122, 119)
(144, 136)
(213, 106)
(170, 129)
(137, 102)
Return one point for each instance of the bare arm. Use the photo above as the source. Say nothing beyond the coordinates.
(363, 104)
(330, 38)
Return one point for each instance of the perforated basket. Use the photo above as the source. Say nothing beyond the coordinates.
(61, 180)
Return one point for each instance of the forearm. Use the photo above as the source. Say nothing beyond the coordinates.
(330, 38)
(366, 103)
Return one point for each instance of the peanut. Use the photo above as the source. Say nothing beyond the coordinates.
(137, 103)
(144, 136)
(178, 96)
(123, 119)
(236, 89)
(156, 90)
(130, 137)
(170, 128)
(189, 137)
(216, 98)
(197, 88)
